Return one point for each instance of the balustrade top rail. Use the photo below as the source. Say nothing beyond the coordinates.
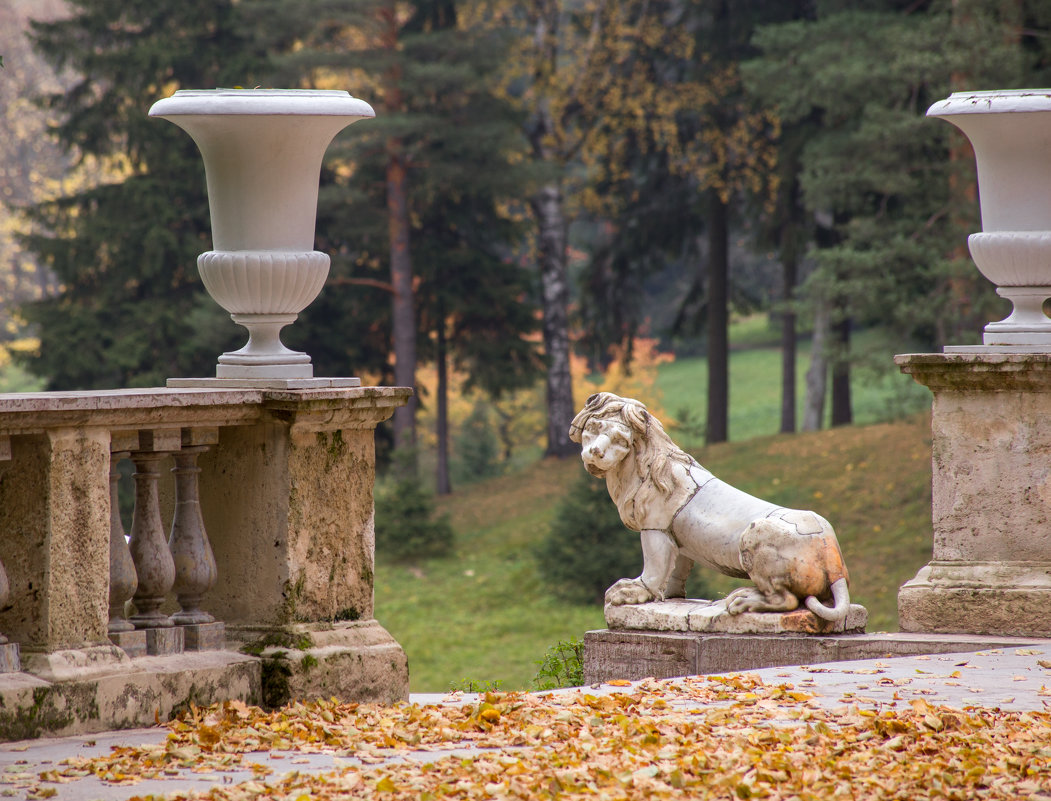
(116, 409)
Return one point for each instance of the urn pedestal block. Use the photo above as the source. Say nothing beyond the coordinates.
(990, 571)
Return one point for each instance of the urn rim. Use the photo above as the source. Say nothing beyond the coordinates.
(1004, 101)
(262, 102)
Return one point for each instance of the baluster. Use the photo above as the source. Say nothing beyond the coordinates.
(153, 561)
(10, 659)
(195, 571)
(122, 579)
(5, 594)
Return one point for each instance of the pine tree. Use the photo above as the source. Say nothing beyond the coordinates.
(879, 177)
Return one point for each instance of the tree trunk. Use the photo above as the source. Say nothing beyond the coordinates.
(443, 485)
(817, 373)
(551, 234)
(789, 271)
(842, 415)
(404, 315)
(554, 283)
(717, 425)
(398, 226)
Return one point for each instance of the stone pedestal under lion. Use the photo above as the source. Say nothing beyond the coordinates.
(686, 516)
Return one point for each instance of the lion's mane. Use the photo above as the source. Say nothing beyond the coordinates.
(657, 465)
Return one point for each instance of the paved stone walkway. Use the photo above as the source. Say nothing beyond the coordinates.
(1009, 679)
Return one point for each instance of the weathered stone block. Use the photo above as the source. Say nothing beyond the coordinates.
(346, 660)
(76, 664)
(289, 510)
(126, 694)
(204, 636)
(991, 499)
(10, 661)
(133, 643)
(640, 654)
(165, 641)
(54, 512)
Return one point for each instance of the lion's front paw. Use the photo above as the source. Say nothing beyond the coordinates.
(628, 591)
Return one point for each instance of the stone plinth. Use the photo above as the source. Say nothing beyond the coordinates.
(165, 642)
(990, 571)
(133, 643)
(691, 615)
(357, 660)
(665, 654)
(10, 660)
(204, 636)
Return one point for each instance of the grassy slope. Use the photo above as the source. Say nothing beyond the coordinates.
(484, 614)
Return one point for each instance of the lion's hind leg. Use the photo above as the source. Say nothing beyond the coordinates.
(768, 557)
(755, 599)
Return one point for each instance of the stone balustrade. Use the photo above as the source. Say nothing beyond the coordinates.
(252, 529)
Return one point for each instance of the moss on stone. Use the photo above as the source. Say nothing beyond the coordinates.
(296, 641)
(276, 675)
(52, 709)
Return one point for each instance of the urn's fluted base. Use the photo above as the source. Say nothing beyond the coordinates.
(265, 356)
(1027, 324)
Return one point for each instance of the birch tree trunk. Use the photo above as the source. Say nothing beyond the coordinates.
(554, 284)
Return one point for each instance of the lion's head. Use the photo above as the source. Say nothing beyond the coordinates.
(622, 442)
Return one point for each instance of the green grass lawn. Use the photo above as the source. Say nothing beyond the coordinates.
(879, 392)
(484, 615)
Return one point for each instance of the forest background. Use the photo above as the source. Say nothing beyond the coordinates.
(556, 195)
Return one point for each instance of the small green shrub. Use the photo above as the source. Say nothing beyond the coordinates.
(476, 447)
(587, 547)
(407, 527)
(562, 666)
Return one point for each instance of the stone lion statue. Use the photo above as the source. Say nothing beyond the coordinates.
(686, 515)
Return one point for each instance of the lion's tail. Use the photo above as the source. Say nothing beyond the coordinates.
(840, 603)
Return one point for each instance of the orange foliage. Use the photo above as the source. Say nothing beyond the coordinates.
(523, 413)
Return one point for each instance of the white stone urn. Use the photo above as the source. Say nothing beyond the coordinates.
(1010, 132)
(262, 151)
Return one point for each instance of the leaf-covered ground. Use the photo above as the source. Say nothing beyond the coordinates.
(717, 737)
